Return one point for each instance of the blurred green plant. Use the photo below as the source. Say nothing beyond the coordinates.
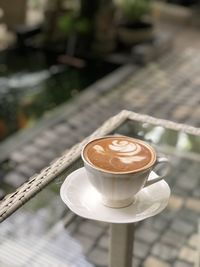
(69, 25)
(135, 10)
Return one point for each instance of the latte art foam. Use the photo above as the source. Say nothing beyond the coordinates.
(119, 154)
(125, 151)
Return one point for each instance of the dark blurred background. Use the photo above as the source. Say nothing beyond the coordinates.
(50, 50)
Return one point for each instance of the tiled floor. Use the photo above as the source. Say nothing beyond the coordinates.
(168, 88)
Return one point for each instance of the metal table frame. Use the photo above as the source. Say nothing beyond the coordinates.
(121, 241)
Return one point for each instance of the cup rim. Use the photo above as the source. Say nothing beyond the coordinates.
(148, 166)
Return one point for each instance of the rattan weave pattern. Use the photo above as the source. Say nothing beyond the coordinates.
(58, 167)
(61, 165)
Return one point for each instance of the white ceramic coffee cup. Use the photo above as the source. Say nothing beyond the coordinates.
(119, 189)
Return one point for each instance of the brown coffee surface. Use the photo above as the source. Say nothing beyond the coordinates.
(119, 154)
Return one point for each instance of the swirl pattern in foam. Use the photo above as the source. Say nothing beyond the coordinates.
(119, 154)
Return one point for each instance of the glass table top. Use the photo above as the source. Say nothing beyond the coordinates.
(44, 232)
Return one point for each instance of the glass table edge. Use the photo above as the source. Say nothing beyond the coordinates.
(60, 166)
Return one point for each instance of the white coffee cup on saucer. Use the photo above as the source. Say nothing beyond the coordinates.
(119, 167)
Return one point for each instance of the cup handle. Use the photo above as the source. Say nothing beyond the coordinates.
(165, 170)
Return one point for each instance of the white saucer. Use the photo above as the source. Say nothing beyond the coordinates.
(83, 199)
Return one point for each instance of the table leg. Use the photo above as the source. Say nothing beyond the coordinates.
(121, 245)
